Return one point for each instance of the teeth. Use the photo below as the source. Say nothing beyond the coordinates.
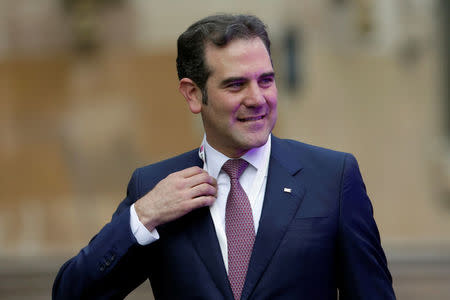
(251, 119)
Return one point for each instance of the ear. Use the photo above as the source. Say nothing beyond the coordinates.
(192, 94)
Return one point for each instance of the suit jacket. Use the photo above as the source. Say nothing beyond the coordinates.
(312, 242)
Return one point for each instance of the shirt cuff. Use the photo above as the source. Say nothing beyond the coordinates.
(140, 232)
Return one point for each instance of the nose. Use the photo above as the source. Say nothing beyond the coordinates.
(254, 96)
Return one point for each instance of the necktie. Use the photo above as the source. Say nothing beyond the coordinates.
(239, 227)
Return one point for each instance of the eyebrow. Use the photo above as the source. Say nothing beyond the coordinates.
(226, 81)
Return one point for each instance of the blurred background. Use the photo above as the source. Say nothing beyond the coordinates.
(88, 92)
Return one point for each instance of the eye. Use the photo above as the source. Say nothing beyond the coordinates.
(266, 82)
(235, 85)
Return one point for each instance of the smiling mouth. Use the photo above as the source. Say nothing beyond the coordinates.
(249, 119)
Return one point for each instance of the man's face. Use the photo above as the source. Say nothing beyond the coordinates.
(242, 96)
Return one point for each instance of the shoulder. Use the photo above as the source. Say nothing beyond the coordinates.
(288, 144)
(308, 156)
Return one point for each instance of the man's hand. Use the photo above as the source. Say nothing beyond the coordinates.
(175, 196)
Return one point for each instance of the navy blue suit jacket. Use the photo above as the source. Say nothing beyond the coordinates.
(319, 238)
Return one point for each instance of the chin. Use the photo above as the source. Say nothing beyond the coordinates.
(250, 143)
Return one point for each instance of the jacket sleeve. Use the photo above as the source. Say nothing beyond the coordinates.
(111, 265)
(362, 265)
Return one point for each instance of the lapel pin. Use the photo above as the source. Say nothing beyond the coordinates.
(287, 190)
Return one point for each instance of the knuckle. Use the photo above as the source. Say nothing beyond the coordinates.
(207, 178)
(204, 188)
(208, 200)
(196, 169)
(201, 177)
(211, 180)
(180, 184)
(211, 190)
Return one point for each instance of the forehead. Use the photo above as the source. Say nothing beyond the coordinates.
(240, 57)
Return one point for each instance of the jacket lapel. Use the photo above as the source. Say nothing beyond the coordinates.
(279, 208)
(204, 239)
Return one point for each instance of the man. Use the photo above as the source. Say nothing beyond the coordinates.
(248, 215)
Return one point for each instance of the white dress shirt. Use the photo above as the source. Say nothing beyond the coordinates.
(253, 180)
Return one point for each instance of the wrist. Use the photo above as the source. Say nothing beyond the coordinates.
(145, 216)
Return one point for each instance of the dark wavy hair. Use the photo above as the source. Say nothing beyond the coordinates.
(220, 30)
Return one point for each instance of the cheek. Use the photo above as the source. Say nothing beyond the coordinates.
(271, 96)
(229, 108)
(225, 116)
(223, 104)
(273, 102)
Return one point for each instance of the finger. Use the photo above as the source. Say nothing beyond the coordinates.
(202, 201)
(203, 177)
(192, 171)
(203, 189)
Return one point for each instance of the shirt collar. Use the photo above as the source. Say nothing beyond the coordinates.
(214, 160)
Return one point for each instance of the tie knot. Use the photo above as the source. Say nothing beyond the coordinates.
(235, 167)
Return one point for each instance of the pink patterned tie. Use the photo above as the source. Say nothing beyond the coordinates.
(239, 227)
